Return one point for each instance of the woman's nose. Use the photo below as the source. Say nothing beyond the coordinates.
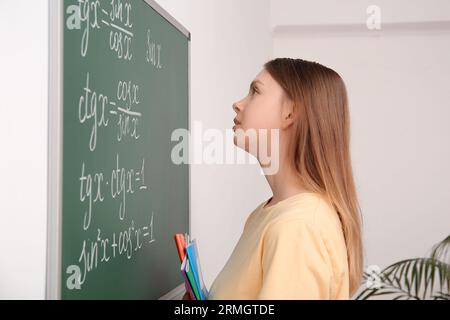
(236, 108)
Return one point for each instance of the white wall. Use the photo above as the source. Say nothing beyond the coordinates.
(328, 12)
(23, 158)
(398, 83)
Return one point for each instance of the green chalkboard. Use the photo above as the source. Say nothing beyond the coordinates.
(125, 90)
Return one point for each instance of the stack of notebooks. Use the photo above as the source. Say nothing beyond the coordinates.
(190, 267)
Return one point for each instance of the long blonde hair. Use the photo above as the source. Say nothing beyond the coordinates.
(321, 148)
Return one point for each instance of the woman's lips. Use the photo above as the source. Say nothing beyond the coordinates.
(236, 124)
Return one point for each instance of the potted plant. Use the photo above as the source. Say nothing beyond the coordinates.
(419, 278)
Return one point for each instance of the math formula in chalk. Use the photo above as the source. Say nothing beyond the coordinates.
(95, 110)
(89, 16)
(106, 247)
(153, 53)
(118, 184)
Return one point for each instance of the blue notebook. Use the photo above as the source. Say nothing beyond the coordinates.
(194, 259)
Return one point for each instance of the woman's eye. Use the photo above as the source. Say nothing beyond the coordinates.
(253, 90)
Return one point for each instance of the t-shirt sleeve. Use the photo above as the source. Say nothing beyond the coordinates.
(295, 262)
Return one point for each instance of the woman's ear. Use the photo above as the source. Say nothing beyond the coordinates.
(287, 114)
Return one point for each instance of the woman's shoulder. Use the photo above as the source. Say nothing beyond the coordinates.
(314, 211)
(253, 213)
(309, 208)
(302, 208)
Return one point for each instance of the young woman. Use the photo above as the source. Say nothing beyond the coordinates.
(304, 242)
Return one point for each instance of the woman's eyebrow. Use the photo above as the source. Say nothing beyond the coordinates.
(254, 82)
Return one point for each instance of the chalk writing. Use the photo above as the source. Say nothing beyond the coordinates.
(105, 248)
(153, 53)
(123, 181)
(87, 15)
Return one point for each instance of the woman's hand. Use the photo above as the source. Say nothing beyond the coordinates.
(186, 296)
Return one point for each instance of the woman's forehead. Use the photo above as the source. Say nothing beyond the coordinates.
(263, 76)
(267, 81)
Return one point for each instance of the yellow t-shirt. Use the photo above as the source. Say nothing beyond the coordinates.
(294, 249)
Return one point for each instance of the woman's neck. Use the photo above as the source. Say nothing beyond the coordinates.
(284, 183)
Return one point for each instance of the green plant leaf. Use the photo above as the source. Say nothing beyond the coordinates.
(418, 278)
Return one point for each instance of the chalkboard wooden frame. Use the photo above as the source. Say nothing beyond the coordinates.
(55, 147)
